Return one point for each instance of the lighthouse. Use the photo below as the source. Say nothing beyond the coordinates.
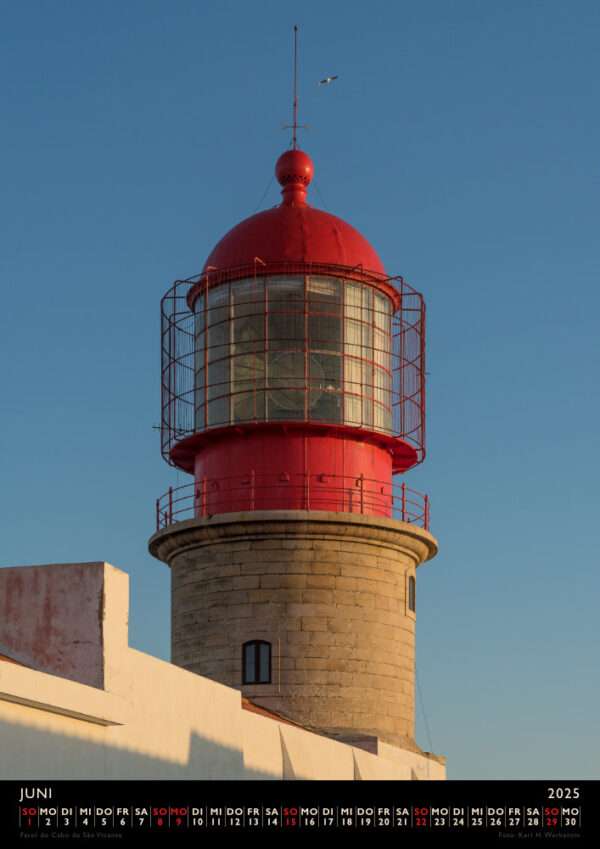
(293, 395)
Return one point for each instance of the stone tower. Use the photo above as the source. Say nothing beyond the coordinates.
(293, 392)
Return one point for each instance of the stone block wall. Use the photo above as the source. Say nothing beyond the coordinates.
(327, 590)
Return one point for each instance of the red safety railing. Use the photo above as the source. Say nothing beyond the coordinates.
(209, 496)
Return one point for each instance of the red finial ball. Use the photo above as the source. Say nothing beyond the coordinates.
(294, 166)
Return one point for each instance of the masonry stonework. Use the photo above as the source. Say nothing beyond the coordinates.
(327, 590)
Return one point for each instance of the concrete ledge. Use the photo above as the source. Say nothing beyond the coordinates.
(293, 524)
(58, 695)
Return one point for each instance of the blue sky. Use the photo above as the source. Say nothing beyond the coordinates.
(462, 139)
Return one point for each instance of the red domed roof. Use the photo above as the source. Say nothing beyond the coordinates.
(294, 232)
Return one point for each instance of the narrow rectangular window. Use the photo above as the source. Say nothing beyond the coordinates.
(256, 662)
(412, 594)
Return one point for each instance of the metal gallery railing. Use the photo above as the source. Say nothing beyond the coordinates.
(303, 491)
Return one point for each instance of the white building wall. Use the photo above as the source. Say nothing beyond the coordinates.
(151, 719)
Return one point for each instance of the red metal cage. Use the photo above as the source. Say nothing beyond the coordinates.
(315, 354)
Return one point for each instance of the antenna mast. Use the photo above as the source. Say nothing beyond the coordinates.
(295, 126)
(295, 105)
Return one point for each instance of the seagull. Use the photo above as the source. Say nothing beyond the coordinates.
(327, 80)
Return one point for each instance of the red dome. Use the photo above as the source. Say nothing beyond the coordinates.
(294, 232)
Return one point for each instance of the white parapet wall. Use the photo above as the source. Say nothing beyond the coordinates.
(76, 702)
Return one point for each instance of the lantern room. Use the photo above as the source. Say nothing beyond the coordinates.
(293, 367)
(293, 348)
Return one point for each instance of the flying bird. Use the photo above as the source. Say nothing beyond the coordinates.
(327, 80)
